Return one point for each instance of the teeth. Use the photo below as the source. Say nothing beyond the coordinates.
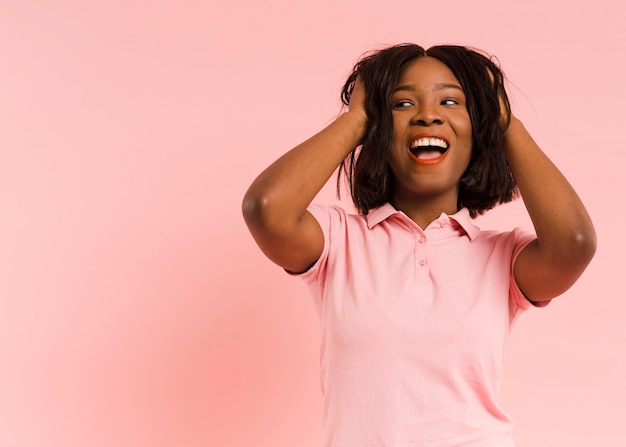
(429, 142)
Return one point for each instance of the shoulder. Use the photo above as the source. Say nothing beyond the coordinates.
(327, 211)
(334, 216)
(515, 238)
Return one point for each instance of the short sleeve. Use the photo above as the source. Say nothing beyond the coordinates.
(328, 218)
(520, 238)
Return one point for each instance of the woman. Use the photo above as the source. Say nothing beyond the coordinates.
(415, 302)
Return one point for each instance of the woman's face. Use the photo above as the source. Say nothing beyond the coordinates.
(432, 134)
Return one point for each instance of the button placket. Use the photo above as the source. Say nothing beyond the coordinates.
(421, 258)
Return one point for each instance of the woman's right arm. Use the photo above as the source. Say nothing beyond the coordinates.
(275, 205)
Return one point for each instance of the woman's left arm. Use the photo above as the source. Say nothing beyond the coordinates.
(566, 239)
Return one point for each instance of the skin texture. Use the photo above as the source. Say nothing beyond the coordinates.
(566, 239)
(428, 102)
(274, 206)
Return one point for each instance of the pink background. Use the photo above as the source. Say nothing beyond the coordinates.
(135, 309)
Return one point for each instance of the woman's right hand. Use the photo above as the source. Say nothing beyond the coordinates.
(275, 205)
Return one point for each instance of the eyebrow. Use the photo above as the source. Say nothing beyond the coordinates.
(437, 87)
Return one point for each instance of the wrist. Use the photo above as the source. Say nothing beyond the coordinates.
(513, 122)
(356, 120)
(357, 115)
(516, 136)
(514, 127)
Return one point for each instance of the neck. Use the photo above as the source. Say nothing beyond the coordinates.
(424, 211)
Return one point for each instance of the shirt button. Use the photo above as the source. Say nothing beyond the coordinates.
(422, 262)
(421, 240)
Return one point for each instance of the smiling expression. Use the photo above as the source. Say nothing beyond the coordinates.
(432, 135)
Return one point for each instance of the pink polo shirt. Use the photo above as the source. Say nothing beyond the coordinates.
(414, 325)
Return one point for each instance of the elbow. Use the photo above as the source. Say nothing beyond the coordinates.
(585, 245)
(571, 250)
(263, 213)
(578, 249)
(253, 208)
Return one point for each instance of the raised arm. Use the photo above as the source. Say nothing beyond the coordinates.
(274, 206)
(566, 239)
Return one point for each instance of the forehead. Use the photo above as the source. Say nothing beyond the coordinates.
(425, 72)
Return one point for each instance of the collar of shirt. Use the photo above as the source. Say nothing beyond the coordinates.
(462, 218)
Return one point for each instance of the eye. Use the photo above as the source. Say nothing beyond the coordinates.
(450, 102)
(402, 104)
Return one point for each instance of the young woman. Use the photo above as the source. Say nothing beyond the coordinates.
(415, 302)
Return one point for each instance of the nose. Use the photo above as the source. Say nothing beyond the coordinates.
(427, 115)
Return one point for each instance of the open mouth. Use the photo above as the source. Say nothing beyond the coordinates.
(428, 149)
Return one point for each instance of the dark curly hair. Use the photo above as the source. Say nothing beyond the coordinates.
(486, 182)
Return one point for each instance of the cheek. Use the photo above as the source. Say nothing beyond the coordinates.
(467, 126)
(397, 148)
(396, 135)
(464, 132)
(465, 141)
(393, 159)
